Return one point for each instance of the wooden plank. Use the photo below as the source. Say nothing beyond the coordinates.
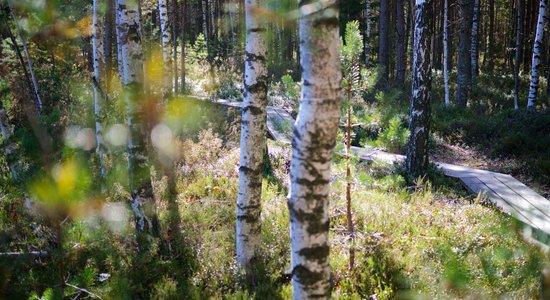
(476, 186)
(528, 194)
(540, 219)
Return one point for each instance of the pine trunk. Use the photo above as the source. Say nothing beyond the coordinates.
(312, 150)
(183, 11)
(400, 30)
(446, 52)
(139, 178)
(518, 48)
(490, 45)
(99, 82)
(253, 140)
(383, 46)
(166, 27)
(464, 58)
(417, 151)
(474, 44)
(537, 52)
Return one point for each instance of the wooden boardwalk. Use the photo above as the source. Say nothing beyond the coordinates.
(512, 196)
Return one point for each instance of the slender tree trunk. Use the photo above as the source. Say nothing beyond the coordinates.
(474, 43)
(253, 141)
(142, 202)
(166, 26)
(383, 44)
(8, 144)
(29, 61)
(464, 58)
(108, 29)
(313, 147)
(400, 30)
(537, 52)
(213, 19)
(367, 33)
(205, 20)
(99, 83)
(120, 65)
(446, 52)
(519, 46)
(491, 46)
(183, 44)
(19, 55)
(349, 214)
(417, 151)
(175, 28)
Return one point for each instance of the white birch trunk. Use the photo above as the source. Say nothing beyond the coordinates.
(29, 61)
(537, 52)
(10, 147)
(253, 141)
(312, 150)
(417, 150)
(120, 66)
(367, 33)
(99, 75)
(446, 52)
(474, 43)
(142, 201)
(166, 28)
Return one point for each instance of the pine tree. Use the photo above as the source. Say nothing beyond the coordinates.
(464, 57)
(417, 150)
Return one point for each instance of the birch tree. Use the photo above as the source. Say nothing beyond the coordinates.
(253, 141)
(142, 201)
(417, 150)
(446, 51)
(474, 42)
(537, 52)
(367, 33)
(29, 61)
(519, 45)
(166, 29)
(312, 149)
(99, 79)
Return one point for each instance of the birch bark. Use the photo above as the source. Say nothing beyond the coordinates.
(99, 80)
(29, 61)
(312, 149)
(367, 33)
(142, 201)
(253, 141)
(166, 28)
(537, 52)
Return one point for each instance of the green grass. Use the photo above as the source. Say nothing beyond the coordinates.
(428, 242)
